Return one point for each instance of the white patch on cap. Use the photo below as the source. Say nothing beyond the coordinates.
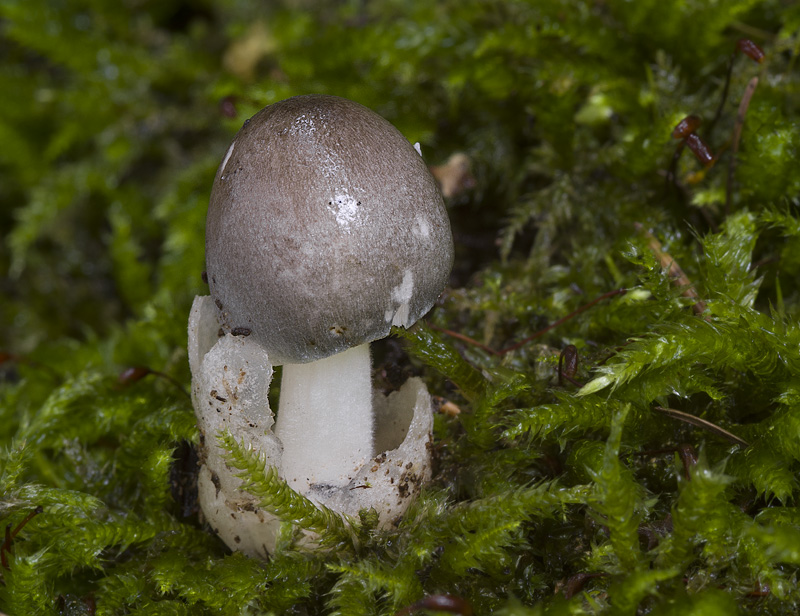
(401, 294)
(418, 148)
(421, 228)
(345, 208)
(225, 161)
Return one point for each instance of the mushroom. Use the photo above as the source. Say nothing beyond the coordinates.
(325, 229)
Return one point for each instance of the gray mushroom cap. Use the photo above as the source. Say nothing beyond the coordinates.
(324, 229)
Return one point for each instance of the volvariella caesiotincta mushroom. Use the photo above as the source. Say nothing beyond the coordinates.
(325, 229)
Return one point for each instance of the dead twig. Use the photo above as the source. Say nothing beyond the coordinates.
(674, 270)
(701, 423)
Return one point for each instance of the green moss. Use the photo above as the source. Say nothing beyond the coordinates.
(549, 496)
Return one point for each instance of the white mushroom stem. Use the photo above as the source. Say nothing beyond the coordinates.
(325, 419)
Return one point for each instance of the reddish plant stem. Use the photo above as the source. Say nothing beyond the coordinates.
(752, 51)
(538, 334)
(464, 338)
(737, 135)
(137, 373)
(571, 315)
(11, 534)
(21, 359)
(724, 97)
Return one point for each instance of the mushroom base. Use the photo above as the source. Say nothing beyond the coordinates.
(230, 382)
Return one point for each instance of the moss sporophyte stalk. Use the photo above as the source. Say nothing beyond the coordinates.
(603, 390)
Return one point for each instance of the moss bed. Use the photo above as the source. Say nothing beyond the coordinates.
(638, 454)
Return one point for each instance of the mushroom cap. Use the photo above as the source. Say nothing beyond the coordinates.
(324, 229)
